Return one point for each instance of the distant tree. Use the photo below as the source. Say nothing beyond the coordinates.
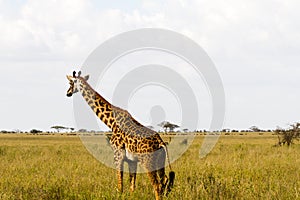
(172, 127)
(289, 135)
(162, 124)
(254, 129)
(226, 130)
(58, 128)
(168, 126)
(185, 130)
(35, 131)
(17, 131)
(82, 130)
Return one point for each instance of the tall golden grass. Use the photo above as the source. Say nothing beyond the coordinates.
(59, 167)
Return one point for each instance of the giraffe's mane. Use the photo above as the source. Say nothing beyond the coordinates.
(97, 95)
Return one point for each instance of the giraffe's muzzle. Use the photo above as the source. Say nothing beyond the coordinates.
(69, 94)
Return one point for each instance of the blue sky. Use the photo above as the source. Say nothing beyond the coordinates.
(255, 46)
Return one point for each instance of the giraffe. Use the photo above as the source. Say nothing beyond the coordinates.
(131, 141)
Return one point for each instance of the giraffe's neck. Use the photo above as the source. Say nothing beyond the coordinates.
(101, 107)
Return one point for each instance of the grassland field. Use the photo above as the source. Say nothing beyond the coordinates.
(59, 167)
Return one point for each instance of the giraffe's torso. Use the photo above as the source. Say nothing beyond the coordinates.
(128, 133)
(134, 137)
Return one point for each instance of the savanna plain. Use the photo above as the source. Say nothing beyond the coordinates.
(246, 166)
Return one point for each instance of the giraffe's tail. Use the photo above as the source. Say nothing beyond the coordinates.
(171, 182)
(171, 173)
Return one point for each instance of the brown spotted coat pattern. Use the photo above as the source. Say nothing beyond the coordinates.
(131, 141)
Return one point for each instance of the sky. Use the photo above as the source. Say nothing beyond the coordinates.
(255, 46)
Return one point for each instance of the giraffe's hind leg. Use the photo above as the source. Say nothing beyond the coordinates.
(163, 179)
(154, 181)
(160, 162)
(132, 165)
(150, 165)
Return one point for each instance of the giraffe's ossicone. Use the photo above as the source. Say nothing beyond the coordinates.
(131, 141)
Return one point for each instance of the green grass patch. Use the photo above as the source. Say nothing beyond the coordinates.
(60, 167)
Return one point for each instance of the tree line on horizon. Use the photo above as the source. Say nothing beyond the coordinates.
(285, 136)
(166, 127)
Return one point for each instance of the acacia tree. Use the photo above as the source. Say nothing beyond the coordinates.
(58, 128)
(185, 130)
(254, 129)
(35, 131)
(168, 126)
(289, 135)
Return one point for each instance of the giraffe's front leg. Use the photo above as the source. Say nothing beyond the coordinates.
(132, 165)
(120, 178)
(119, 163)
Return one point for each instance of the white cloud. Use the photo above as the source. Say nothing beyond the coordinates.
(232, 27)
(48, 29)
(255, 44)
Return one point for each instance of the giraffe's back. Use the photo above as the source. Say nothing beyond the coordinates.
(137, 138)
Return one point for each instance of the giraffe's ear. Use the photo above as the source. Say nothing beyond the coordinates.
(86, 77)
(69, 77)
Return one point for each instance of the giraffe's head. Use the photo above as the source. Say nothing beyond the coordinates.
(75, 83)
